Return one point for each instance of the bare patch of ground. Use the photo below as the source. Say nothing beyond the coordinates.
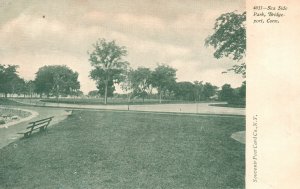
(239, 136)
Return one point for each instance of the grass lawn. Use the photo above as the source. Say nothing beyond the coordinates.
(111, 101)
(6, 101)
(230, 105)
(94, 149)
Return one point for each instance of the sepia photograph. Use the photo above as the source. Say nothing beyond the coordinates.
(123, 94)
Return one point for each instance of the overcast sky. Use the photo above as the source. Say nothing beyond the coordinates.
(38, 33)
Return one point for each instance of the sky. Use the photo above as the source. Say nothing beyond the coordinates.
(36, 33)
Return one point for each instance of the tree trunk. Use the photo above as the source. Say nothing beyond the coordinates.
(105, 93)
(128, 102)
(143, 96)
(160, 95)
(57, 93)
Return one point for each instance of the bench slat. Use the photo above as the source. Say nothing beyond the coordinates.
(39, 124)
(50, 118)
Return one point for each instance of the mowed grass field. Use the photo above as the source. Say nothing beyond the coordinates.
(111, 101)
(102, 149)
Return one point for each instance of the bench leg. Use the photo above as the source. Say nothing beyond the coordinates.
(42, 128)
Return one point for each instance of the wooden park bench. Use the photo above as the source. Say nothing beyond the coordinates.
(39, 124)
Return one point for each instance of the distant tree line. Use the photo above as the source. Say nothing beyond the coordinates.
(10, 82)
(49, 80)
(59, 80)
(110, 68)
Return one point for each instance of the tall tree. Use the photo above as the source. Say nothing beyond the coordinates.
(8, 78)
(242, 90)
(56, 80)
(185, 91)
(233, 96)
(208, 91)
(18, 86)
(140, 81)
(126, 84)
(108, 63)
(164, 79)
(226, 93)
(229, 39)
(44, 81)
(29, 87)
(106, 90)
(198, 88)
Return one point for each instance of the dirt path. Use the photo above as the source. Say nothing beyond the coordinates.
(196, 108)
(9, 134)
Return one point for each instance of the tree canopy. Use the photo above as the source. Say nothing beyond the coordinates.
(56, 80)
(164, 79)
(208, 91)
(229, 39)
(9, 79)
(242, 90)
(109, 66)
(140, 81)
(234, 96)
(226, 93)
(110, 88)
(185, 91)
(29, 87)
(93, 93)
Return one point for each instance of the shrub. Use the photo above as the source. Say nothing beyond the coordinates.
(2, 121)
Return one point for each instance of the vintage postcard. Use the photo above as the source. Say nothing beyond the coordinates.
(149, 94)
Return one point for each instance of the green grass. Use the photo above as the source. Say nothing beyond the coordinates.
(230, 105)
(93, 149)
(6, 101)
(112, 101)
